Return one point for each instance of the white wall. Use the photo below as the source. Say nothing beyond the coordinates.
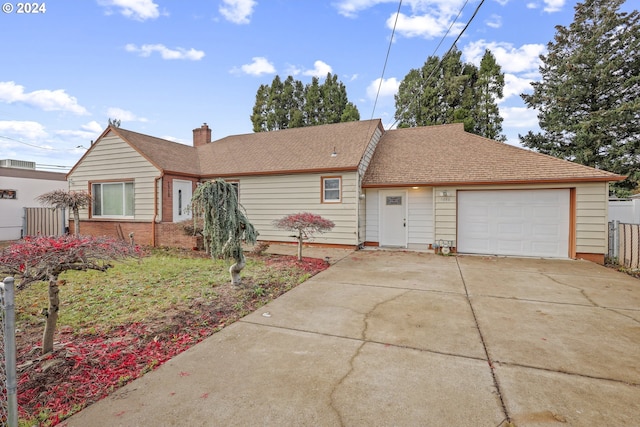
(12, 210)
(627, 211)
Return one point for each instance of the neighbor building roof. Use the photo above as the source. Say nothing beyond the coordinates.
(447, 155)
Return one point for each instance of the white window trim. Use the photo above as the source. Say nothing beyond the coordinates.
(324, 180)
(93, 214)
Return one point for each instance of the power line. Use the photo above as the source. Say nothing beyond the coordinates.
(26, 143)
(475, 12)
(386, 59)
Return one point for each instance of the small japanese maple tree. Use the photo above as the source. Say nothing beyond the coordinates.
(74, 200)
(305, 225)
(41, 258)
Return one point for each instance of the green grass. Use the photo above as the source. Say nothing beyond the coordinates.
(136, 291)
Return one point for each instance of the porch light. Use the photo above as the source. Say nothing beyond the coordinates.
(334, 154)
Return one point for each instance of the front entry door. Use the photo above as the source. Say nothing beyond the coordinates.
(393, 218)
(181, 200)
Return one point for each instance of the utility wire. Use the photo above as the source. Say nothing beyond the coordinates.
(386, 59)
(475, 12)
(26, 143)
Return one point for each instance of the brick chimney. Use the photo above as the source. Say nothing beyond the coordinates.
(201, 135)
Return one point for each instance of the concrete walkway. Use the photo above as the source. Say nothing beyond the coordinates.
(410, 339)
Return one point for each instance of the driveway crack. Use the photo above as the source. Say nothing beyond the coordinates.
(484, 346)
(332, 398)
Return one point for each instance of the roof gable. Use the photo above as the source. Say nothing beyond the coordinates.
(166, 155)
(446, 154)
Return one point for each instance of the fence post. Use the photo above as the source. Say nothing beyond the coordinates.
(616, 239)
(9, 329)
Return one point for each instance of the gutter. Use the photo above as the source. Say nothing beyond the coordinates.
(155, 208)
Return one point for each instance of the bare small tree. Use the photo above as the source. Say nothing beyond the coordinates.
(74, 200)
(40, 258)
(305, 224)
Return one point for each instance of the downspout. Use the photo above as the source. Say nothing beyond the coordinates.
(155, 209)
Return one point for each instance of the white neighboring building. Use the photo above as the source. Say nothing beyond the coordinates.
(20, 185)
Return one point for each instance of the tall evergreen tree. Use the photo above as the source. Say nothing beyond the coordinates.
(588, 100)
(291, 104)
(490, 87)
(449, 91)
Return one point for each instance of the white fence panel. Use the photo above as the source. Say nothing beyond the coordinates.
(626, 211)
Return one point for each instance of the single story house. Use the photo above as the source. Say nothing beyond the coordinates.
(20, 185)
(410, 188)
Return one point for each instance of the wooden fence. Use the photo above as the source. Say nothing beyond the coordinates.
(624, 244)
(44, 221)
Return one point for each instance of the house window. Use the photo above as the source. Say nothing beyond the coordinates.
(112, 199)
(331, 189)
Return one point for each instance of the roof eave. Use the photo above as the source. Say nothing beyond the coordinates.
(281, 172)
(493, 182)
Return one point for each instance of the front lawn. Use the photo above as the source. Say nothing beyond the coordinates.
(116, 326)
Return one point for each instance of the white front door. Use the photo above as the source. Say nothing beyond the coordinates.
(393, 218)
(181, 200)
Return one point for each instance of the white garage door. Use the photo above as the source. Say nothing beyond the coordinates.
(514, 222)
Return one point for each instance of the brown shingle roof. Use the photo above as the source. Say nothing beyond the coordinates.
(166, 155)
(290, 150)
(446, 154)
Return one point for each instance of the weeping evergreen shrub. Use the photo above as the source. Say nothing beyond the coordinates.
(225, 224)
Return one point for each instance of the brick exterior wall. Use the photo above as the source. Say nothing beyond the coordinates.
(173, 235)
(167, 234)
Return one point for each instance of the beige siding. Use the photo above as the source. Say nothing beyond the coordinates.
(591, 212)
(592, 201)
(270, 197)
(444, 212)
(373, 222)
(420, 218)
(368, 154)
(114, 159)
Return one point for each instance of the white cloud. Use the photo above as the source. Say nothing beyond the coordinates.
(88, 131)
(47, 100)
(514, 86)
(320, 69)
(426, 18)
(519, 117)
(237, 11)
(427, 26)
(502, 2)
(22, 129)
(388, 88)
(350, 8)
(553, 5)
(166, 53)
(494, 21)
(140, 10)
(525, 58)
(124, 115)
(258, 67)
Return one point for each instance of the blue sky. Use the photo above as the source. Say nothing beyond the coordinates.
(165, 67)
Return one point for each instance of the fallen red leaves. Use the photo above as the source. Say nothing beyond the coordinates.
(85, 368)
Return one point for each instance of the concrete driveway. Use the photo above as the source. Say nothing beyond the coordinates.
(411, 339)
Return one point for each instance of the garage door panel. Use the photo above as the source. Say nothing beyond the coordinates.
(514, 222)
